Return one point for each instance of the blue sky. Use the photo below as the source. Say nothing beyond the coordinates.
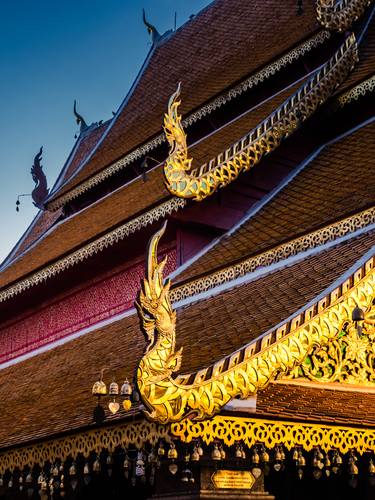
(51, 53)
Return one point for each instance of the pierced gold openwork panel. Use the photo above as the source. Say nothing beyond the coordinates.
(349, 359)
(251, 431)
(340, 15)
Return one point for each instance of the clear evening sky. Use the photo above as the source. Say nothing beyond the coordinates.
(52, 52)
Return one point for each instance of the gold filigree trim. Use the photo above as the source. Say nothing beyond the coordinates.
(340, 15)
(281, 252)
(185, 182)
(194, 287)
(349, 359)
(169, 397)
(254, 80)
(92, 248)
(135, 434)
(251, 431)
(355, 93)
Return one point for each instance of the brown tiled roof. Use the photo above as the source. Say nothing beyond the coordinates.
(50, 393)
(40, 225)
(339, 182)
(45, 220)
(366, 64)
(317, 404)
(132, 199)
(225, 42)
(86, 144)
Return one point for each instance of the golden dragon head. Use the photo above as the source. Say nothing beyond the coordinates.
(154, 306)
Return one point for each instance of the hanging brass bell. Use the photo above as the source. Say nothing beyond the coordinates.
(353, 469)
(126, 388)
(255, 457)
(172, 452)
(161, 450)
(96, 465)
(99, 388)
(195, 455)
(216, 455)
(113, 389)
(301, 459)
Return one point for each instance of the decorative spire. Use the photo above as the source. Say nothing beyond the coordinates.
(40, 192)
(155, 35)
(79, 118)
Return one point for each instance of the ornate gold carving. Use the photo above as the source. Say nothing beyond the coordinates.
(216, 103)
(124, 435)
(170, 398)
(340, 15)
(250, 431)
(281, 252)
(349, 359)
(92, 248)
(199, 183)
(357, 92)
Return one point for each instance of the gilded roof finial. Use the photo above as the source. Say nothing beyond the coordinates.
(40, 192)
(155, 35)
(79, 118)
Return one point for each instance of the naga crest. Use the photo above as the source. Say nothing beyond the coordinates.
(154, 306)
(40, 192)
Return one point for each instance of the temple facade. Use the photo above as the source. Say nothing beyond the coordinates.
(191, 313)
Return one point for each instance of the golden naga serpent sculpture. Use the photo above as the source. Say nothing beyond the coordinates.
(340, 15)
(170, 398)
(197, 184)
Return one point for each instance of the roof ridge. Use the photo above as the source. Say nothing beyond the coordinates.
(254, 79)
(258, 206)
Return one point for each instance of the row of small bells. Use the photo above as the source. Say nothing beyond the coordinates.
(54, 482)
(99, 389)
(260, 459)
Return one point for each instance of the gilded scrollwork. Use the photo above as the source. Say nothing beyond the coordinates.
(349, 359)
(340, 15)
(317, 238)
(183, 181)
(270, 433)
(169, 397)
(99, 244)
(361, 90)
(135, 434)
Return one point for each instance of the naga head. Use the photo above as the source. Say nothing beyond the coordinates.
(40, 192)
(154, 306)
(172, 121)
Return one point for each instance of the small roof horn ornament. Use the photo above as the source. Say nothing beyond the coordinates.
(155, 35)
(40, 192)
(79, 119)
